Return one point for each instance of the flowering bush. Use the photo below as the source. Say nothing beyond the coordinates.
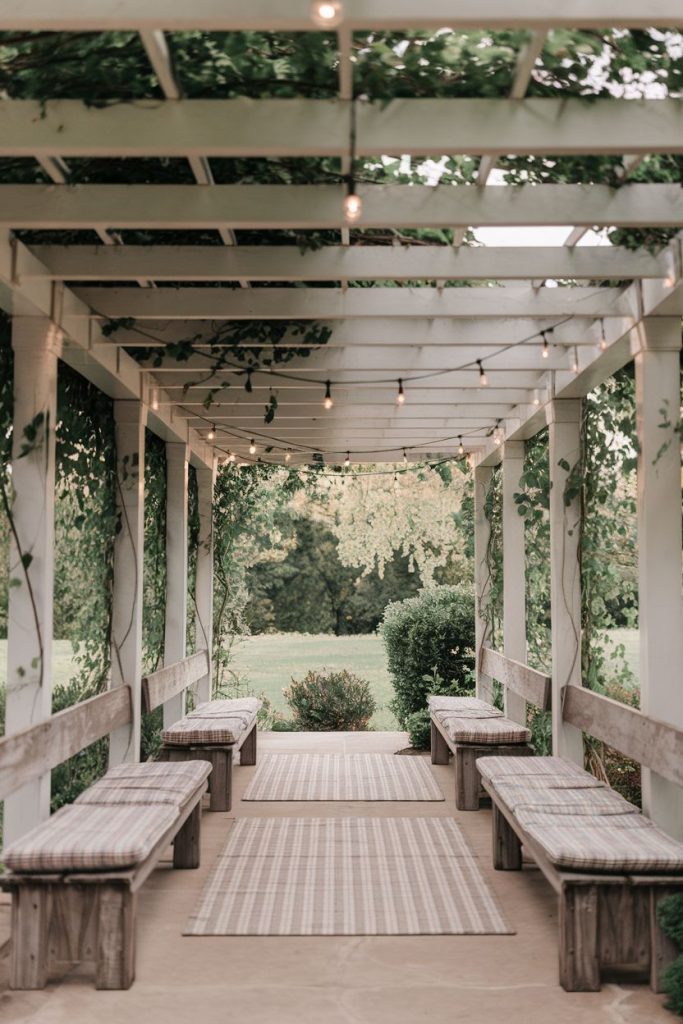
(331, 701)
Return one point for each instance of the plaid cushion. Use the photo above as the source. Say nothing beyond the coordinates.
(138, 785)
(627, 843)
(599, 799)
(482, 730)
(91, 838)
(215, 723)
(464, 707)
(494, 769)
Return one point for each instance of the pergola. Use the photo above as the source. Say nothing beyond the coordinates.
(482, 368)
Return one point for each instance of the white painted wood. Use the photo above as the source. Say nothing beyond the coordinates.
(514, 573)
(320, 206)
(126, 629)
(206, 479)
(156, 48)
(482, 577)
(564, 419)
(295, 16)
(335, 263)
(317, 127)
(659, 550)
(175, 628)
(37, 345)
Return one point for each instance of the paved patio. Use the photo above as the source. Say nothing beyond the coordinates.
(336, 980)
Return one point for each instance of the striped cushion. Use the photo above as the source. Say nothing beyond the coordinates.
(465, 707)
(482, 730)
(91, 838)
(523, 800)
(495, 768)
(625, 843)
(221, 708)
(137, 784)
(215, 723)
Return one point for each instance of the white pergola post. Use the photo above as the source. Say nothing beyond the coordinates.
(177, 455)
(37, 346)
(126, 655)
(206, 479)
(564, 419)
(482, 576)
(659, 542)
(514, 574)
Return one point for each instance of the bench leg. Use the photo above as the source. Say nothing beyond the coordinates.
(220, 780)
(507, 849)
(579, 939)
(29, 946)
(186, 844)
(248, 748)
(115, 966)
(440, 751)
(663, 950)
(467, 783)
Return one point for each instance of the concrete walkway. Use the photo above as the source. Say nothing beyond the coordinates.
(336, 980)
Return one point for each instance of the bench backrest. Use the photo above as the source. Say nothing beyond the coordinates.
(649, 742)
(26, 755)
(529, 683)
(160, 686)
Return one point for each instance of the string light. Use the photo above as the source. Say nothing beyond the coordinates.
(602, 345)
(231, 456)
(405, 457)
(327, 13)
(461, 447)
(546, 348)
(154, 399)
(401, 396)
(347, 460)
(353, 204)
(211, 436)
(537, 398)
(575, 360)
(288, 456)
(497, 434)
(252, 447)
(328, 401)
(483, 379)
(669, 281)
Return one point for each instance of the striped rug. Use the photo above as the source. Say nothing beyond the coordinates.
(347, 876)
(343, 777)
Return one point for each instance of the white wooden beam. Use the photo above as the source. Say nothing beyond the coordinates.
(126, 626)
(294, 16)
(335, 304)
(196, 207)
(159, 55)
(303, 127)
(336, 263)
(482, 577)
(37, 346)
(659, 549)
(175, 622)
(514, 572)
(564, 419)
(206, 479)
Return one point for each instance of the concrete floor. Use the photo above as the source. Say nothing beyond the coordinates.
(209, 980)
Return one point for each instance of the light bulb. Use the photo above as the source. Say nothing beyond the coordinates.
(288, 456)
(327, 13)
(327, 400)
(401, 396)
(211, 434)
(252, 447)
(231, 456)
(575, 361)
(602, 344)
(353, 207)
(669, 281)
(537, 398)
(154, 399)
(461, 448)
(545, 346)
(347, 460)
(405, 458)
(483, 379)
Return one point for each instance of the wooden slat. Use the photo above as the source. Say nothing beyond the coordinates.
(30, 753)
(654, 744)
(532, 685)
(160, 686)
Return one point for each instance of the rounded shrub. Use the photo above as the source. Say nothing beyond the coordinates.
(429, 640)
(331, 701)
(419, 729)
(670, 917)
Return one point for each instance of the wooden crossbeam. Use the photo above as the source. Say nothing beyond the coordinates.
(337, 263)
(294, 15)
(197, 207)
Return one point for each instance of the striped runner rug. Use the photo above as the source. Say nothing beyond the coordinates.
(343, 777)
(347, 876)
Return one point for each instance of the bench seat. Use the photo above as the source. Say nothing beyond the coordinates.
(609, 864)
(212, 732)
(469, 727)
(152, 782)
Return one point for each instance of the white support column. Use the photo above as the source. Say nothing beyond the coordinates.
(37, 346)
(126, 655)
(659, 548)
(206, 479)
(177, 455)
(482, 576)
(564, 418)
(514, 574)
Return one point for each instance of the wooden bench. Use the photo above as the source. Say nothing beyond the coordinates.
(74, 878)
(470, 728)
(212, 732)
